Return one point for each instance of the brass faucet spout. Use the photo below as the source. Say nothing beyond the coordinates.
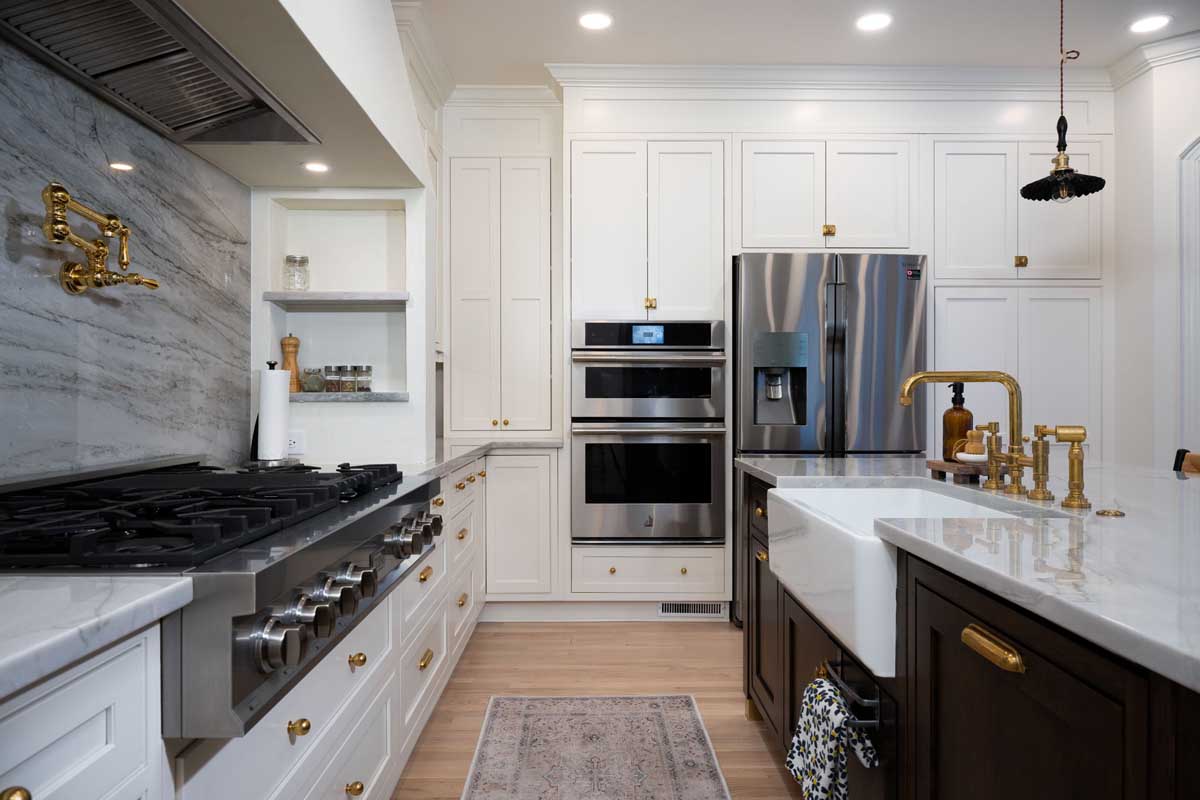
(980, 376)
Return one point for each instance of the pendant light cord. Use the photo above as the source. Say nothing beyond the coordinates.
(1064, 55)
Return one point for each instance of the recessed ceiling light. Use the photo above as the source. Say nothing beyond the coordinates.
(121, 166)
(595, 20)
(875, 21)
(1148, 24)
(316, 166)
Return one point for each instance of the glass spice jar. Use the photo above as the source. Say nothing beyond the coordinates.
(295, 274)
(333, 383)
(312, 380)
(356, 373)
(345, 378)
(364, 378)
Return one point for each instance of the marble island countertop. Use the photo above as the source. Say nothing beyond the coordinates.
(55, 620)
(1130, 585)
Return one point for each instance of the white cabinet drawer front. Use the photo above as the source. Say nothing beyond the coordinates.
(364, 756)
(460, 535)
(254, 764)
(661, 570)
(83, 737)
(461, 486)
(421, 662)
(461, 602)
(419, 587)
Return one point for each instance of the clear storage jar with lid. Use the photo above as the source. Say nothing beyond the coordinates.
(364, 378)
(345, 378)
(333, 382)
(295, 274)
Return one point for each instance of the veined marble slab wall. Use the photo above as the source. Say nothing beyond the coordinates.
(123, 372)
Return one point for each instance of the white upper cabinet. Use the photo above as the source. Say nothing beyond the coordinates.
(783, 194)
(975, 195)
(1061, 240)
(974, 329)
(474, 388)
(869, 182)
(686, 230)
(608, 229)
(525, 293)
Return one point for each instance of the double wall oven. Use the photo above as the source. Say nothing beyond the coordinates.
(648, 432)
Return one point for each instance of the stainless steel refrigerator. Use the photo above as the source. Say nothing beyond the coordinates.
(821, 345)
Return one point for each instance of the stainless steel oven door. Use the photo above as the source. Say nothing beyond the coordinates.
(623, 385)
(644, 482)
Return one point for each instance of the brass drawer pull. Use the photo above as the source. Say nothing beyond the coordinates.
(299, 727)
(993, 648)
(470, 479)
(612, 570)
(683, 570)
(16, 793)
(358, 659)
(425, 661)
(760, 512)
(761, 555)
(355, 789)
(425, 575)
(462, 600)
(462, 534)
(460, 486)
(439, 501)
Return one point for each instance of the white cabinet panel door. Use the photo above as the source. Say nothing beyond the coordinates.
(783, 194)
(525, 293)
(1061, 358)
(519, 524)
(687, 229)
(868, 199)
(975, 197)
(975, 329)
(608, 230)
(474, 293)
(1061, 240)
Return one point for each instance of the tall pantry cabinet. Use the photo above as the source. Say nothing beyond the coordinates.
(499, 287)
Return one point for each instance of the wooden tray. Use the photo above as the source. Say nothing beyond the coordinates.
(961, 473)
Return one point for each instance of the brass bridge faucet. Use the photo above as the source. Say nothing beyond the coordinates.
(76, 278)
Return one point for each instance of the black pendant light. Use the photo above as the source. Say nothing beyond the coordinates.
(1063, 183)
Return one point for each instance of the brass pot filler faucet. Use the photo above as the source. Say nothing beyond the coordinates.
(76, 278)
(1015, 459)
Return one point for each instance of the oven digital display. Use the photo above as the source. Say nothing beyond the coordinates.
(647, 334)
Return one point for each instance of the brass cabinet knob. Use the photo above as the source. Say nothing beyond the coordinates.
(683, 570)
(483, 473)
(505, 422)
(495, 422)
(761, 555)
(612, 570)
(462, 600)
(425, 575)
(1020, 261)
(462, 534)
(16, 793)
(829, 230)
(425, 661)
(470, 479)
(460, 486)
(358, 659)
(355, 789)
(299, 727)
(439, 501)
(759, 512)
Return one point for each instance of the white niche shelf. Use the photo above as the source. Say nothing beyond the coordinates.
(349, 397)
(338, 301)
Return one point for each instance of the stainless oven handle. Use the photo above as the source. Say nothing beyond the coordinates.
(640, 358)
(617, 431)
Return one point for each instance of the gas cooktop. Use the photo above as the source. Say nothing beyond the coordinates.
(179, 516)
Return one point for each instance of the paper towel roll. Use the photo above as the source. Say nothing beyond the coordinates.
(273, 396)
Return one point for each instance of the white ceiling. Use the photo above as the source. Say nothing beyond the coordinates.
(503, 42)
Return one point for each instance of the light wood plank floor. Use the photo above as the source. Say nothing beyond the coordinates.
(703, 659)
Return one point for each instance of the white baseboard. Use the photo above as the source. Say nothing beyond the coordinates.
(575, 611)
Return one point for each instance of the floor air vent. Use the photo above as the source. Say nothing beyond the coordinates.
(693, 610)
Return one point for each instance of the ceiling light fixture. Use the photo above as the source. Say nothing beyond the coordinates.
(1151, 23)
(595, 20)
(316, 166)
(121, 166)
(1063, 183)
(875, 21)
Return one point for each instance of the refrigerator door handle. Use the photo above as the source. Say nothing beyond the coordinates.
(831, 365)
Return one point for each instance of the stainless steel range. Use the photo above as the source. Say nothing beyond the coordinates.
(284, 563)
(648, 432)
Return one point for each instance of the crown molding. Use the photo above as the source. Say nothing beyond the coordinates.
(470, 95)
(1142, 59)
(421, 50)
(827, 77)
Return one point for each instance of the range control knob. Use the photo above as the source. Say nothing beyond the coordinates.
(318, 616)
(363, 578)
(434, 521)
(342, 596)
(278, 644)
(401, 542)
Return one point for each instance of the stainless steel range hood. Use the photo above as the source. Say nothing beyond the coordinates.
(151, 59)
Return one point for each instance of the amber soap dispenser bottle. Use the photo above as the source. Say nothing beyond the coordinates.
(955, 423)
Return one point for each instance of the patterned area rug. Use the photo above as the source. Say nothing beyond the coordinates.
(594, 748)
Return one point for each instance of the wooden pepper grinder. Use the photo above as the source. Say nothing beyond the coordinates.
(291, 347)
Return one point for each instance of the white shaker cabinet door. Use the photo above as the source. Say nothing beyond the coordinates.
(783, 194)
(1061, 358)
(975, 199)
(974, 329)
(687, 230)
(525, 294)
(869, 192)
(474, 388)
(608, 229)
(519, 524)
(1061, 240)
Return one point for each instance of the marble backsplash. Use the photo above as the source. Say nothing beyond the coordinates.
(124, 372)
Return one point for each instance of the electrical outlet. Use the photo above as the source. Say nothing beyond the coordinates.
(295, 442)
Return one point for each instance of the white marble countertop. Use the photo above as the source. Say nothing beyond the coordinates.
(1131, 585)
(52, 621)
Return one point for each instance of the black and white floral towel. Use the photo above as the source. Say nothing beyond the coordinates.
(818, 758)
